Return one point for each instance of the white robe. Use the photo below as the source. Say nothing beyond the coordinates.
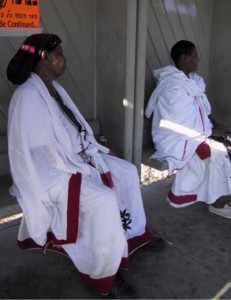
(45, 154)
(180, 124)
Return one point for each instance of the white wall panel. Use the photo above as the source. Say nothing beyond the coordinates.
(220, 62)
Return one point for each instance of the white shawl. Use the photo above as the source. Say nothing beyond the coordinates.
(180, 116)
(42, 156)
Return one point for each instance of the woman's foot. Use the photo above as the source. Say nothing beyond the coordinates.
(221, 208)
(122, 289)
(219, 203)
(156, 244)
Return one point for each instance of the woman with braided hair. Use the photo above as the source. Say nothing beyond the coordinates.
(73, 197)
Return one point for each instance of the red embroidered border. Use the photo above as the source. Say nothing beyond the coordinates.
(181, 199)
(103, 285)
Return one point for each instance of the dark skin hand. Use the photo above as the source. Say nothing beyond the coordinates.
(219, 129)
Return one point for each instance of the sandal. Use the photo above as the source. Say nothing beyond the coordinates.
(156, 244)
(121, 289)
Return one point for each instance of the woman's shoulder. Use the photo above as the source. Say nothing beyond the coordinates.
(198, 79)
(25, 88)
(26, 94)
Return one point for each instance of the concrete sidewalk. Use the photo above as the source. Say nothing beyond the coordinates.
(196, 263)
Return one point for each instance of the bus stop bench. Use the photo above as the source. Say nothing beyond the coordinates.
(158, 164)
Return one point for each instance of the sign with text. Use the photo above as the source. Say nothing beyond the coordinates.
(19, 15)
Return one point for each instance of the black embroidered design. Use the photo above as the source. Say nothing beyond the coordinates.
(126, 220)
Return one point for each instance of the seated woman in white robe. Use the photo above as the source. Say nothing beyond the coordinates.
(181, 129)
(73, 197)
